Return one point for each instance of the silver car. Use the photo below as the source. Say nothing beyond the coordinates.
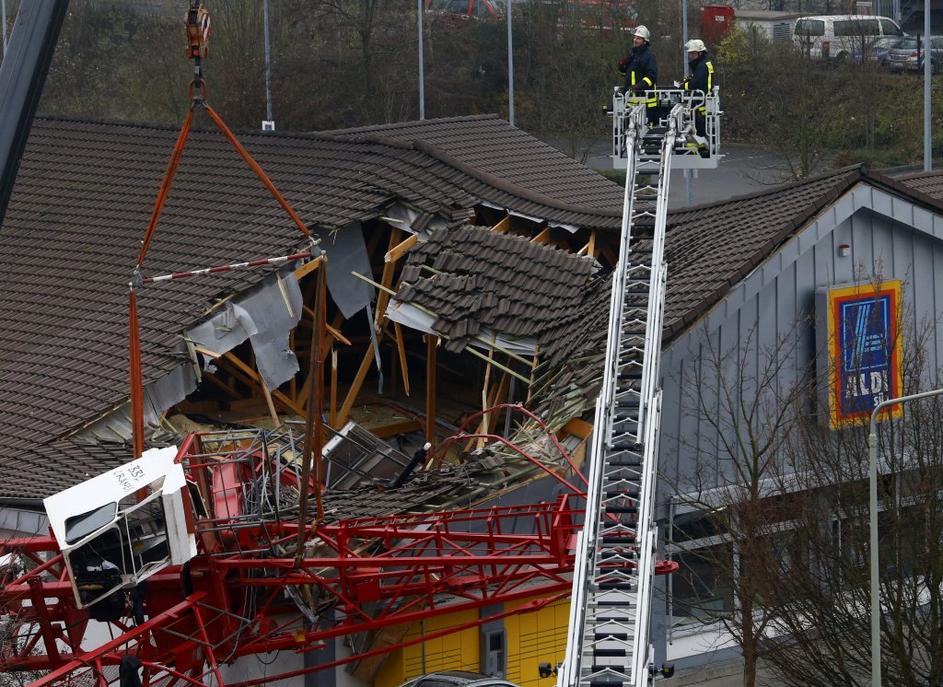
(457, 678)
(907, 57)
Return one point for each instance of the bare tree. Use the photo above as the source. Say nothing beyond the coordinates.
(784, 498)
(820, 628)
(746, 399)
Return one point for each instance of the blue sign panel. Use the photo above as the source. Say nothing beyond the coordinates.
(865, 350)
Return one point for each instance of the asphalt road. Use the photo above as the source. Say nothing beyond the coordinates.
(744, 169)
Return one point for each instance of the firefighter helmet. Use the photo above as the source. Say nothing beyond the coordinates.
(695, 45)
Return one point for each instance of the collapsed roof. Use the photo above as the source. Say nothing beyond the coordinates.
(82, 200)
(85, 190)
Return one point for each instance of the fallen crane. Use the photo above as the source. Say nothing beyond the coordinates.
(191, 558)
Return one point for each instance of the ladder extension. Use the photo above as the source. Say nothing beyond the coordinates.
(608, 639)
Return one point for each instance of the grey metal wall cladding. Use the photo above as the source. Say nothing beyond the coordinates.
(888, 236)
(265, 316)
(347, 253)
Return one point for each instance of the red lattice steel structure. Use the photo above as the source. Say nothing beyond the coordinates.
(250, 590)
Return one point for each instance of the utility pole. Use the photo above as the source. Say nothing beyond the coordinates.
(927, 69)
(3, 5)
(269, 123)
(422, 76)
(510, 70)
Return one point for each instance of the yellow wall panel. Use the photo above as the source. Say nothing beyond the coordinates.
(456, 651)
(534, 638)
(530, 639)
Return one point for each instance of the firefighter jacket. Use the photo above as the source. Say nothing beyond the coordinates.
(641, 74)
(701, 79)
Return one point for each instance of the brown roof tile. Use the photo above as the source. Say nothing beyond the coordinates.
(79, 209)
(488, 144)
(711, 247)
(471, 277)
(929, 183)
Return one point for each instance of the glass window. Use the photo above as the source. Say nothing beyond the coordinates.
(695, 525)
(98, 565)
(701, 589)
(146, 530)
(80, 526)
(494, 654)
(889, 28)
(810, 27)
(887, 43)
(857, 27)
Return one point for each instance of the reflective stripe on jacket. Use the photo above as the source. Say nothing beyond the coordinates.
(642, 74)
(702, 78)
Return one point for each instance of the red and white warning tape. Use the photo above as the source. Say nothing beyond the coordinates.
(228, 268)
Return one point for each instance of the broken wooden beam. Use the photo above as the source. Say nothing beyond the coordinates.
(400, 249)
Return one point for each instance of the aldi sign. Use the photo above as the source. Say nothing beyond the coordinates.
(860, 346)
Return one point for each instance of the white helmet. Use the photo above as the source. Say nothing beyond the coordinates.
(641, 31)
(695, 45)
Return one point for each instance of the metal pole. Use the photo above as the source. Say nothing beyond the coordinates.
(927, 67)
(873, 527)
(510, 70)
(3, 5)
(875, 583)
(268, 65)
(422, 76)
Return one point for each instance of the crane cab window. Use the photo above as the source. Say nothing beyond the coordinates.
(80, 526)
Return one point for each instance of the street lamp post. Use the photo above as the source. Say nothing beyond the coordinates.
(873, 525)
(927, 108)
(420, 10)
(269, 123)
(510, 69)
(3, 5)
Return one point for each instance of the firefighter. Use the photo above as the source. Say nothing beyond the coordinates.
(641, 73)
(701, 79)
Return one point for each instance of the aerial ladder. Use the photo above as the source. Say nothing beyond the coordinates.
(610, 608)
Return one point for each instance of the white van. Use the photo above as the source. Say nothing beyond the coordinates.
(841, 36)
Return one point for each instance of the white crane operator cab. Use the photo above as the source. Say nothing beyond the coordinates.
(119, 528)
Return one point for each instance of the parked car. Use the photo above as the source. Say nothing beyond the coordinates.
(878, 51)
(457, 678)
(908, 55)
(841, 36)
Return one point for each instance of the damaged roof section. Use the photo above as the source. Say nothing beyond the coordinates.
(475, 281)
(567, 386)
(83, 197)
